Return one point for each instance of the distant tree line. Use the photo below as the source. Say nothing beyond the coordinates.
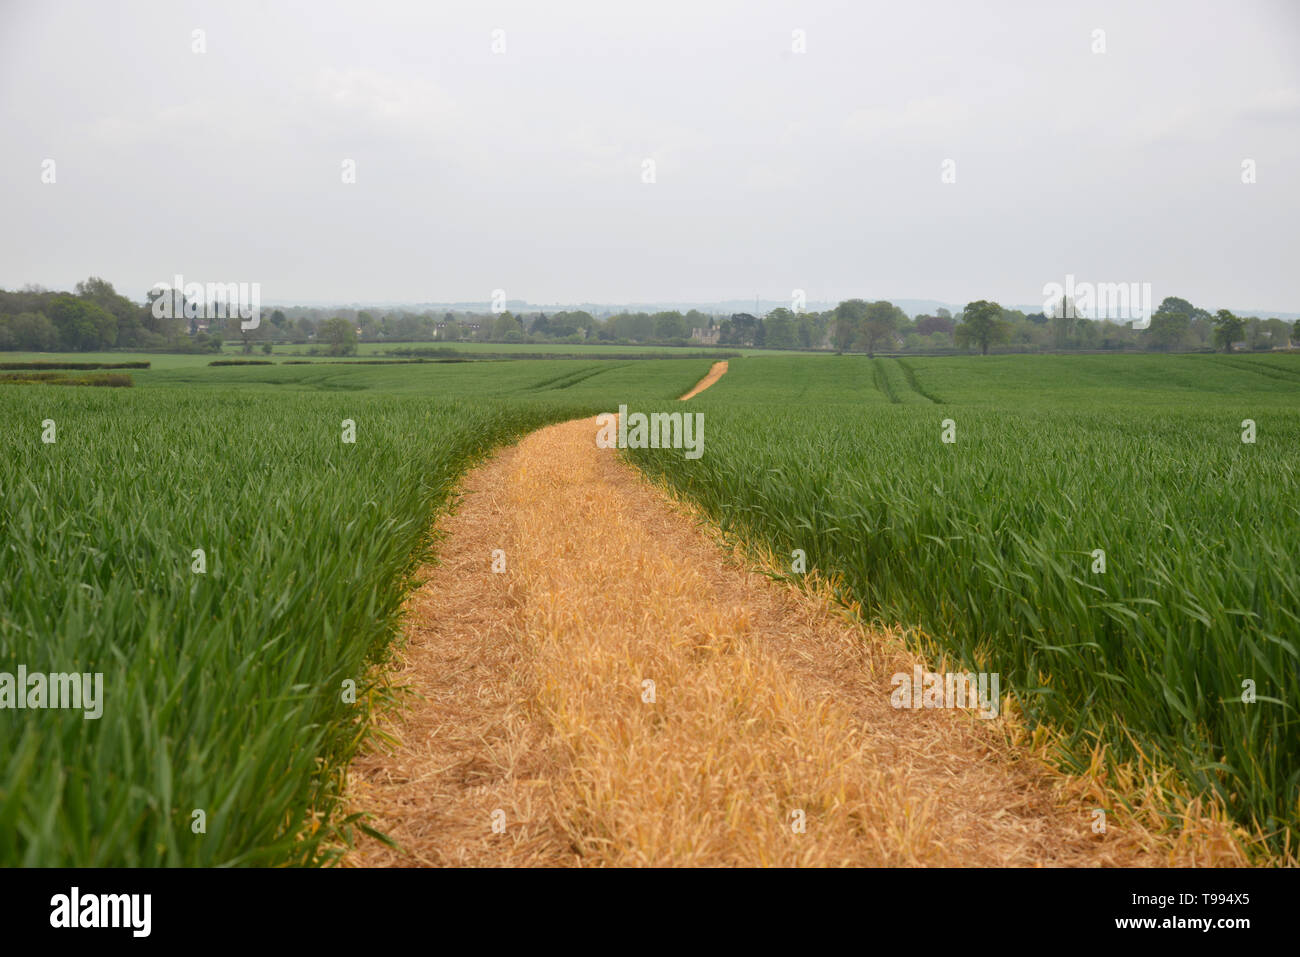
(92, 318)
(1175, 326)
(95, 317)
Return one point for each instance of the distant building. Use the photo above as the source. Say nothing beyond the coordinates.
(708, 337)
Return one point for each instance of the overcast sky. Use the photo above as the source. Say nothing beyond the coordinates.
(774, 170)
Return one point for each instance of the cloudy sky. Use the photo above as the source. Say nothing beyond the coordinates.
(524, 168)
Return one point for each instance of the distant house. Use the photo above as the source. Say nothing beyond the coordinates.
(708, 337)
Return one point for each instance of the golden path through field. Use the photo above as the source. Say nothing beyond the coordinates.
(716, 372)
(629, 692)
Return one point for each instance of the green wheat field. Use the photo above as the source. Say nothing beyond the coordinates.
(223, 688)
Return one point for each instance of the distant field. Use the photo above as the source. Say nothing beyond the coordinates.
(558, 379)
(156, 360)
(300, 371)
(375, 350)
(380, 348)
(986, 546)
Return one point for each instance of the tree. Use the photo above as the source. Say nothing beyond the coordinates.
(1200, 328)
(779, 329)
(129, 329)
(507, 328)
(542, 326)
(982, 324)
(670, 325)
(849, 316)
(639, 326)
(1276, 331)
(407, 327)
(1170, 323)
(341, 336)
(929, 325)
(1114, 335)
(565, 325)
(1063, 320)
(1256, 337)
(584, 323)
(164, 326)
(96, 289)
(1062, 328)
(879, 323)
(741, 329)
(33, 332)
(804, 330)
(1227, 329)
(82, 325)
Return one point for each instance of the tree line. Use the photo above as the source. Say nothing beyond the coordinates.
(95, 317)
(1175, 326)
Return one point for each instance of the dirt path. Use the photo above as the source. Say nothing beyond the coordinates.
(539, 739)
(716, 372)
